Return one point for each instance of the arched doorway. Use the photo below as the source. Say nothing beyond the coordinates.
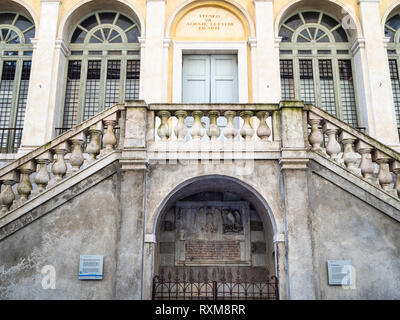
(215, 241)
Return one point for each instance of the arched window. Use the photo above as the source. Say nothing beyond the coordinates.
(392, 28)
(316, 64)
(104, 66)
(16, 32)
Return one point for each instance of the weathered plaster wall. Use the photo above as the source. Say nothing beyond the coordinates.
(85, 225)
(346, 228)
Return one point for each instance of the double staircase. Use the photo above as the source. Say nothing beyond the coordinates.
(175, 132)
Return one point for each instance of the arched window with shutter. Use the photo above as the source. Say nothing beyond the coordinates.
(16, 33)
(103, 67)
(392, 28)
(316, 64)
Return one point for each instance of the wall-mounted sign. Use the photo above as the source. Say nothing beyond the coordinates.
(339, 272)
(91, 267)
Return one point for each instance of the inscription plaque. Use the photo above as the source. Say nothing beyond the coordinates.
(213, 251)
(210, 23)
(212, 233)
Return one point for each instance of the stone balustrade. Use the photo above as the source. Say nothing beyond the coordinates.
(355, 151)
(228, 123)
(258, 125)
(61, 158)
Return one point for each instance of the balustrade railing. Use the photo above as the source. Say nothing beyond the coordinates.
(64, 156)
(355, 151)
(216, 123)
(67, 154)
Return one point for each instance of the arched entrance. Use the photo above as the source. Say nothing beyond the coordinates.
(215, 241)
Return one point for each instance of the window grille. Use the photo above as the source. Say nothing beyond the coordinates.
(316, 49)
(287, 80)
(307, 81)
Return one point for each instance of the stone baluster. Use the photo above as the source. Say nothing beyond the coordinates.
(384, 176)
(25, 186)
(247, 131)
(94, 146)
(197, 131)
(333, 147)
(350, 157)
(7, 196)
(181, 130)
(230, 132)
(42, 177)
(263, 131)
(213, 130)
(395, 168)
(316, 137)
(164, 131)
(59, 167)
(76, 158)
(366, 165)
(109, 138)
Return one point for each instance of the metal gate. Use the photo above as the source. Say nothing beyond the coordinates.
(239, 285)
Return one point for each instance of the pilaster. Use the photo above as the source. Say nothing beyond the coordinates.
(299, 251)
(153, 86)
(266, 71)
(132, 243)
(377, 98)
(39, 119)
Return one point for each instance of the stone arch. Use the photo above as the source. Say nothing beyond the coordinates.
(230, 5)
(334, 7)
(173, 193)
(21, 7)
(389, 11)
(254, 243)
(85, 7)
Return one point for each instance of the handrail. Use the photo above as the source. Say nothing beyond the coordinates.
(214, 106)
(358, 134)
(354, 150)
(75, 142)
(60, 139)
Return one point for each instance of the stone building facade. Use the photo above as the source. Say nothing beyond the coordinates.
(201, 147)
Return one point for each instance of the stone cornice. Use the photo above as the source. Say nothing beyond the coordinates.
(167, 42)
(252, 42)
(142, 41)
(368, 1)
(277, 42)
(34, 43)
(358, 43)
(62, 45)
(386, 41)
(51, 1)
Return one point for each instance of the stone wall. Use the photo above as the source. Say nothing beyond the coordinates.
(347, 228)
(114, 217)
(86, 224)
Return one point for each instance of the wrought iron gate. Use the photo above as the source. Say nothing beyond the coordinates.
(240, 285)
